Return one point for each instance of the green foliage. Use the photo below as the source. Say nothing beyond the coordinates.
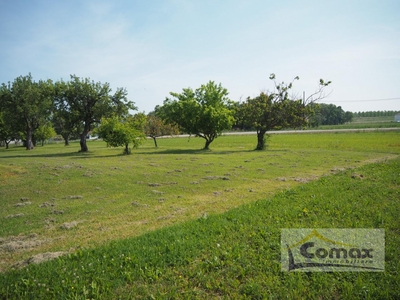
(7, 131)
(27, 104)
(265, 112)
(66, 122)
(76, 106)
(379, 113)
(204, 112)
(117, 131)
(45, 132)
(348, 116)
(276, 110)
(87, 102)
(330, 114)
(156, 127)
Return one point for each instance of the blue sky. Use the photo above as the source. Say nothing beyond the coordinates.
(153, 47)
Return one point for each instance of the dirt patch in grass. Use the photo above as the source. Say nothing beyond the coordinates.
(137, 204)
(357, 176)
(281, 179)
(46, 204)
(23, 201)
(304, 179)
(14, 216)
(22, 204)
(157, 192)
(38, 258)
(17, 243)
(216, 177)
(70, 225)
(73, 197)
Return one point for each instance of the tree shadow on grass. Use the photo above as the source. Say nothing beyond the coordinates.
(75, 155)
(90, 154)
(191, 151)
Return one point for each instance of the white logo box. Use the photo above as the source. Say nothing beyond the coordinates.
(332, 250)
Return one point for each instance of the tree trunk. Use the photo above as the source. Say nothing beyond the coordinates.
(209, 139)
(29, 142)
(155, 141)
(82, 142)
(207, 145)
(86, 129)
(66, 139)
(260, 140)
(126, 149)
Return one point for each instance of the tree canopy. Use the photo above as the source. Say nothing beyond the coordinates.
(276, 110)
(45, 132)
(80, 105)
(27, 104)
(88, 102)
(204, 112)
(7, 131)
(330, 114)
(156, 127)
(65, 121)
(117, 131)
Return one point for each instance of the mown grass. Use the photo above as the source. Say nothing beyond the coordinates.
(360, 125)
(235, 254)
(116, 197)
(379, 119)
(366, 122)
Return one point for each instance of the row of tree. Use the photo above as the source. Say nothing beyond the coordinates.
(32, 111)
(76, 106)
(379, 113)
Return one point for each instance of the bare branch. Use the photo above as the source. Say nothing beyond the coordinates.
(319, 94)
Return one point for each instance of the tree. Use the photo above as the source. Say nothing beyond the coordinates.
(29, 103)
(156, 127)
(117, 131)
(66, 122)
(331, 114)
(315, 119)
(265, 113)
(88, 102)
(348, 117)
(204, 112)
(7, 131)
(277, 110)
(45, 132)
(65, 126)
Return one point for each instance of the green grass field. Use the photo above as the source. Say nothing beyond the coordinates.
(360, 125)
(179, 222)
(380, 119)
(366, 122)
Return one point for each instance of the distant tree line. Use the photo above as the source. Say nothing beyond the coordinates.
(378, 113)
(329, 114)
